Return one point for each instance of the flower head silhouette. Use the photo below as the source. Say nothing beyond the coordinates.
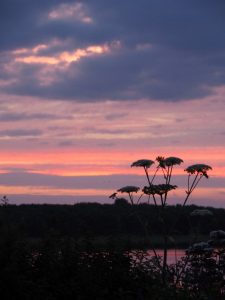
(146, 163)
(113, 196)
(129, 189)
(169, 161)
(158, 189)
(199, 168)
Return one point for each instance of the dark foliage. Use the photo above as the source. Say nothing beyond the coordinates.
(41, 257)
(55, 269)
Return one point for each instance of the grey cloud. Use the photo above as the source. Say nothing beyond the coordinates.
(20, 22)
(15, 170)
(115, 116)
(104, 130)
(106, 144)
(20, 132)
(13, 117)
(66, 182)
(55, 128)
(66, 144)
(130, 75)
(94, 182)
(24, 24)
(176, 22)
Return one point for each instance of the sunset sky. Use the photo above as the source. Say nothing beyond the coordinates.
(88, 87)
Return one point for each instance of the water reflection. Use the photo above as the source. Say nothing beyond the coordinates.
(173, 255)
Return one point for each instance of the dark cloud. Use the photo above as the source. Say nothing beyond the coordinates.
(94, 182)
(62, 127)
(20, 132)
(105, 131)
(66, 144)
(13, 117)
(170, 50)
(115, 116)
(15, 170)
(106, 144)
(66, 182)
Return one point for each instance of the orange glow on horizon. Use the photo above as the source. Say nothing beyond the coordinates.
(42, 191)
(81, 162)
(101, 162)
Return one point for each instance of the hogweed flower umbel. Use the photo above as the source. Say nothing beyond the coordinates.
(199, 169)
(158, 189)
(166, 165)
(145, 163)
(129, 189)
(113, 196)
(169, 161)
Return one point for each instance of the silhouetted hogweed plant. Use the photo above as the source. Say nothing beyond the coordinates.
(157, 195)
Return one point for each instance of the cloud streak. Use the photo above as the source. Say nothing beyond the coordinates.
(20, 133)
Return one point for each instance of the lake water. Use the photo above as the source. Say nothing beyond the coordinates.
(173, 255)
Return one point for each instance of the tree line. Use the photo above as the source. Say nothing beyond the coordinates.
(102, 220)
